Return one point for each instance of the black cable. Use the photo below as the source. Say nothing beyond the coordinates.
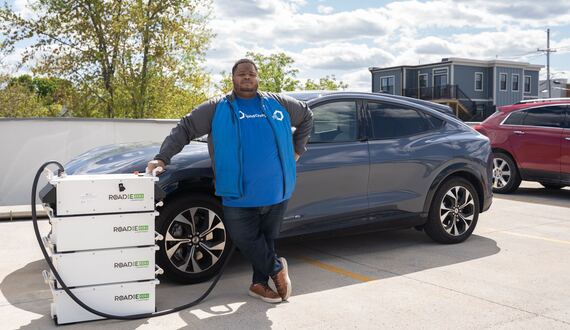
(77, 300)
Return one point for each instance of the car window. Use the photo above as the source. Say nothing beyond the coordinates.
(515, 118)
(334, 122)
(553, 116)
(392, 121)
(436, 122)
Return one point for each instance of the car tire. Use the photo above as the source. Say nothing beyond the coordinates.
(552, 186)
(506, 176)
(195, 243)
(454, 212)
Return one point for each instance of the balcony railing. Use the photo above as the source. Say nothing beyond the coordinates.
(433, 93)
(444, 92)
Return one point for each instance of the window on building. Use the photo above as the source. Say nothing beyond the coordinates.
(478, 81)
(422, 80)
(503, 82)
(527, 84)
(394, 121)
(515, 83)
(387, 84)
(334, 122)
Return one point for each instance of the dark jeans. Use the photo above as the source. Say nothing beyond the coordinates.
(253, 230)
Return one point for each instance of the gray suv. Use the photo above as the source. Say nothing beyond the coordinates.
(373, 161)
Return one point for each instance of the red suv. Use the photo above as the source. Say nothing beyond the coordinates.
(530, 141)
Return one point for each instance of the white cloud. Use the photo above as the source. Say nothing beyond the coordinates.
(247, 9)
(326, 28)
(22, 8)
(358, 80)
(342, 56)
(433, 45)
(322, 9)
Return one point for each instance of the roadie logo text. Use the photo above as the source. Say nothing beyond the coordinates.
(139, 228)
(137, 264)
(136, 296)
(132, 197)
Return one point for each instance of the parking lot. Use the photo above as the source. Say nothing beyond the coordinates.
(513, 273)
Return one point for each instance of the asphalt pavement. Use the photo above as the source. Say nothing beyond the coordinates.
(513, 273)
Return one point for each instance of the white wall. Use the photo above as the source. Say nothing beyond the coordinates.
(558, 88)
(25, 144)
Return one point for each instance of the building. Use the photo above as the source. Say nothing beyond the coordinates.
(558, 88)
(473, 88)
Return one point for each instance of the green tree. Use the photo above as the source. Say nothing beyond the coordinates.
(18, 98)
(115, 50)
(225, 85)
(50, 89)
(326, 83)
(275, 72)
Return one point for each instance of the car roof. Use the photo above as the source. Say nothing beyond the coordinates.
(312, 97)
(526, 105)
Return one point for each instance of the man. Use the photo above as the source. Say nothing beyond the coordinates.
(254, 154)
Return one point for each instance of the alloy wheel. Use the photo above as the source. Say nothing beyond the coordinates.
(195, 240)
(457, 210)
(501, 173)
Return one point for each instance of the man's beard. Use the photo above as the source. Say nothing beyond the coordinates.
(248, 89)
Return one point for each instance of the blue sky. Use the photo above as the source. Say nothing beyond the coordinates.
(344, 38)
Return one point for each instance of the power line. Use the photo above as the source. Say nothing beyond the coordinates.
(517, 56)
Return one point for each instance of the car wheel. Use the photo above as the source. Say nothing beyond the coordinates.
(196, 242)
(454, 212)
(506, 177)
(552, 186)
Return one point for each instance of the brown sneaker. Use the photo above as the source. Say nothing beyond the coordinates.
(282, 281)
(264, 292)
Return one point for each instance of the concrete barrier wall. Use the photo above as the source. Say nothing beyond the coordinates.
(25, 144)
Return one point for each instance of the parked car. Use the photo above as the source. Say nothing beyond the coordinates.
(530, 141)
(372, 160)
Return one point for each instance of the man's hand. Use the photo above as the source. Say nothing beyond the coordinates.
(157, 165)
(297, 157)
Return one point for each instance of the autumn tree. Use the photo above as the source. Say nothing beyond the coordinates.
(126, 55)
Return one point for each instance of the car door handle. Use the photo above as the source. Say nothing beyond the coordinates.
(519, 132)
(568, 138)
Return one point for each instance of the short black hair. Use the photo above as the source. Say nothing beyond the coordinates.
(240, 61)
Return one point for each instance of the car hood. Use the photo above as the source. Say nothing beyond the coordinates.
(131, 157)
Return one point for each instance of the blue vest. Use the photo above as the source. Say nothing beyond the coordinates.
(227, 149)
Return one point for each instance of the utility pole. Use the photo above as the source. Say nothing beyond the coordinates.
(548, 51)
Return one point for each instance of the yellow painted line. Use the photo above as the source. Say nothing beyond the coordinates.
(335, 269)
(530, 236)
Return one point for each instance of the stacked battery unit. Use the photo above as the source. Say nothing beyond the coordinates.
(102, 244)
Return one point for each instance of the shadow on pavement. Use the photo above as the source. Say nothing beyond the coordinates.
(377, 255)
(552, 197)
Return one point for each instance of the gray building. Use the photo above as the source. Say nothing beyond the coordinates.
(473, 88)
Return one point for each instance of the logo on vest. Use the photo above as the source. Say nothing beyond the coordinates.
(278, 115)
(242, 115)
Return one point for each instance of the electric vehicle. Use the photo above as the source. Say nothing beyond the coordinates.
(373, 161)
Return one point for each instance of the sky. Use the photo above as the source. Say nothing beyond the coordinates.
(345, 38)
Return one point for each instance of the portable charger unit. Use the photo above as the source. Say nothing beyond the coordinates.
(102, 243)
